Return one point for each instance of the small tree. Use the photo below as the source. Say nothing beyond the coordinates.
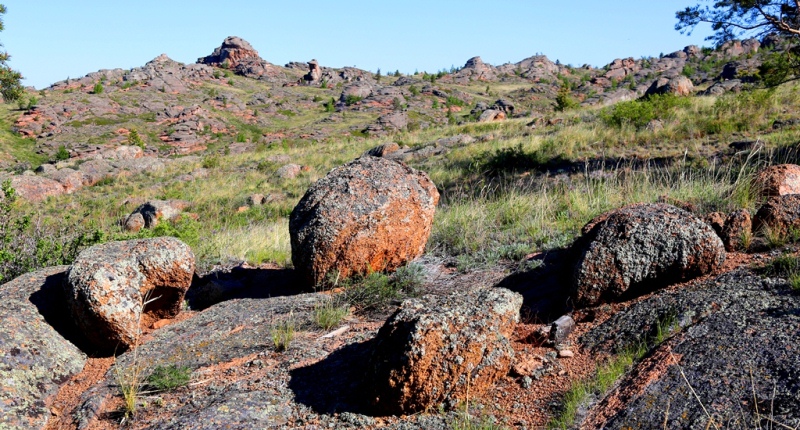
(10, 80)
(378, 75)
(564, 100)
(732, 19)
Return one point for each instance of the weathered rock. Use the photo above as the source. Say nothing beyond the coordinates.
(780, 215)
(108, 285)
(490, 115)
(230, 53)
(36, 188)
(35, 358)
(383, 150)
(256, 199)
(152, 212)
(288, 171)
(678, 85)
(778, 180)
(394, 121)
(440, 349)
(561, 328)
(737, 227)
(736, 350)
(641, 247)
(717, 221)
(371, 214)
(314, 74)
(70, 179)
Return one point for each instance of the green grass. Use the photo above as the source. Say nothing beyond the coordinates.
(786, 266)
(282, 334)
(609, 372)
(168, 378)
(330, 313)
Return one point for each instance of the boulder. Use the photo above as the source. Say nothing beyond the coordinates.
(149, 214)
(394, 121)
(778, 180)
(490, 115)
(372, 214)
(36, 188)
(288, 171)
(383, 150)
(314, 74)
(442, 349)
(737, 227)
(232, 51)
(780, 215)
(35, 357)
(109, 285)
(641, 247)
(678, 85)
(70, 179)
(717, 221)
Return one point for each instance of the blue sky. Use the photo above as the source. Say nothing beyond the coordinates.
(50, 41)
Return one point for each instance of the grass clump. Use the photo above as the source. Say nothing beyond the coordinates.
(786, 266)
(330, 313)
(608, 373)
(370, 292)
(168, 378)
(282, 334)
(409, 278)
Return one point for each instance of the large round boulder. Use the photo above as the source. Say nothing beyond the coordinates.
(109, 286)
(372, 214)
(639, 248)
(778, 180)
(439, 350)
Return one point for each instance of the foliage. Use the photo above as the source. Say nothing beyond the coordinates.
(26, 245)
(351, 99)
(786, 266)
(409, 278)
(10, 80)
(733, 19)
(135, 139)
(282, 334)
(168, 378)
(639, 113)
(564, 100)
(330, 313)
(98, 88)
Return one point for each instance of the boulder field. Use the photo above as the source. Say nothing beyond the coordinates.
(726, 348)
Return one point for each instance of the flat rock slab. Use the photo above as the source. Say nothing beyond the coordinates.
(34, 357)
(731, 326)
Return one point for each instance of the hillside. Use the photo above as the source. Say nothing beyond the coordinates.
(531, 162)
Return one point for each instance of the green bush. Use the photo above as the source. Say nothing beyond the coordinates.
(639, 113)
(352, 99)
(98, 88)
(168, 378)
(26, 245)
(62, 153)
(330, 105)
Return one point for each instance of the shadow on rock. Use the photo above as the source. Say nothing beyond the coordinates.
(49, 301)
(544, 288)
(243, 283)
(335, 384)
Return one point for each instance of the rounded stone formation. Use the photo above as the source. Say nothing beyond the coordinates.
(642, 246)
(108, 284)
(371, 214)
(778, 180)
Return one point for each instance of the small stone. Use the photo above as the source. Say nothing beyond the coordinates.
(241, 209)
(561, 328)
(527, 382)
(565, 353)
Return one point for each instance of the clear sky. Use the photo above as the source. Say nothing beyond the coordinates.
(51, 40)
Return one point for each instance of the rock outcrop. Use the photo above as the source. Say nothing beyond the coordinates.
(35, 357)
(440, 349)
(678, 85)
(371, 214)
(149, 214)
(778, 216)
(641, 247)
(736, 230)
(232, 51)
(108, 286)
(778, 180)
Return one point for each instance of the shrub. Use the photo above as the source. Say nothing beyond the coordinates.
(352, 99)
(409, 278)
(211, 161)
(414, 90)
(283, 334)
(135, 139)
(330, 105)
(786, 266)
(330, 313)
(98, 88)
(688, 71)
(639, 113)
(564, 100)
(168, 378)
(62, 153)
